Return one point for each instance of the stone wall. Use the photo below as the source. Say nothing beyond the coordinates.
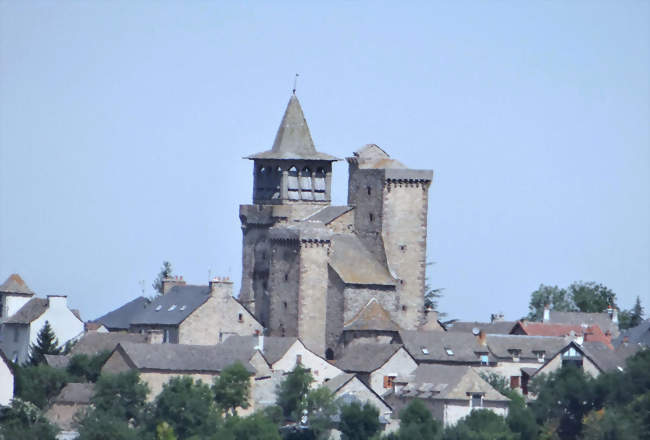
(312, 299)
(284, 281)
(404, 235)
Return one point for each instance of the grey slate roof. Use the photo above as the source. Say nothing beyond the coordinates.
(500, 345)
(161, 311)
(274, 346)
(602, 320)
(93, 342)
(120, 318)
(79, 393)
(328, 214)
(604, 357)
(448, 382)
(293, 139)
(463, 345)
(496, 327)
(15, 285)
(639, 335)
(57, 360)
(32, 309)
(338, 382)
(366, 357)
(371, 317)
(355, 264)
(184, 358)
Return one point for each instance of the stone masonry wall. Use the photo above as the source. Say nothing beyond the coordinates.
(284, 277)
(405, 236)
(312, 301)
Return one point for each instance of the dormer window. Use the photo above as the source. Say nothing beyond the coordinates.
(540, 355)
(514, 352)
(477, 401)
(172, 308)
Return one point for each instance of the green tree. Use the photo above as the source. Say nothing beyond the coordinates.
(557, 298)
(39, 384)
(359, 422)
(254, 427)
(122, 397)
(87, 368)
(165, 272)
(481, 424)
(23, 420)
(417, 423)
(633, 317)
(606, 424)
(292, 390)
(521, 419)
(232, 388)
(46, 343)
(591, 297)
(187, 407)
(165, 432)
(564, 397)
(432, 296)
(101, 425)
(321, 408)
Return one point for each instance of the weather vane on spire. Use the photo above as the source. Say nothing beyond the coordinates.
(295, 83)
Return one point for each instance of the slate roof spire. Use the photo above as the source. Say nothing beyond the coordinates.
(293, 139)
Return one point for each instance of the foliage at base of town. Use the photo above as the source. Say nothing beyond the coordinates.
(569, 405)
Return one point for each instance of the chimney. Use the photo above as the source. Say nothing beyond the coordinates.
(168, 283)
(547, 313)
(615, 315)
(482, 338)
(155, 336)
(260, 342)
(221, 287)
(57, 301)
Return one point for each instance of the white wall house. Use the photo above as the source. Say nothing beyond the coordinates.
(20, 330)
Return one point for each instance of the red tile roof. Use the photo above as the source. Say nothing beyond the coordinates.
(591, 333)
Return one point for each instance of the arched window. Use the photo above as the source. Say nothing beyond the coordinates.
(305, 184)
(319, 184)
(329, 354)
(292, 183)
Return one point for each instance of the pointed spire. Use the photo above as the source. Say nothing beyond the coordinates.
(293, 139)
(293, 134)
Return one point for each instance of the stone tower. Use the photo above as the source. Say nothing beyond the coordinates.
(291, 181)
(390, 217)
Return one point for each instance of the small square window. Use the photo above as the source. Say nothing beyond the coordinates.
(389, 381)
(484, 359)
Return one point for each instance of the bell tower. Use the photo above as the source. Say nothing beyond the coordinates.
(290, 182)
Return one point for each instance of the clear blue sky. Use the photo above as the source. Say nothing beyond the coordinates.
(123, 124)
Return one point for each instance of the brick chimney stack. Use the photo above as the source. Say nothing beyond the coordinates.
(221, 287)
(168, 283)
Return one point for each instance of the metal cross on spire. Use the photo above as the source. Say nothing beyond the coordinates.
(295, 83)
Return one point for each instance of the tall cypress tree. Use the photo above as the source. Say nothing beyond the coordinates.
(636, 315)
(46, 343)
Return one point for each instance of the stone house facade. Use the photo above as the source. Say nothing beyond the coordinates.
(196, 315)
(308, 267)
(6, 380)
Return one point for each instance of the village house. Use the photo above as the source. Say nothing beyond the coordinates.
(283, 354)
(346, 387)
(639, 335)
(203, 315)
(607, 321)
(24, 316)
(514, 354)
(159, 363)
(580, 333)
(446, 348)
(450, 392)
(72, 400)
(120, 319)
(377, 365)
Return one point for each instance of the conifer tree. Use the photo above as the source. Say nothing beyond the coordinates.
(46, 343)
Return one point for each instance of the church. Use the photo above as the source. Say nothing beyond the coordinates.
(333, 275)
